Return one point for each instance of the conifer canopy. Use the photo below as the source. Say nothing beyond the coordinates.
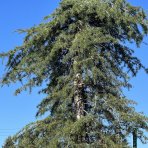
(80, 57)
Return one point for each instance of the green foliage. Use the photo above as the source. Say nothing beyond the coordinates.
(87, 37)
(9, 143)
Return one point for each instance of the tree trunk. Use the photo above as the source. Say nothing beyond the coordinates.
(79, 102)
(78, 97)
(135, 138)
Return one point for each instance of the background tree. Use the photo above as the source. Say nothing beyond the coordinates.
(81, 56)
(9, 143)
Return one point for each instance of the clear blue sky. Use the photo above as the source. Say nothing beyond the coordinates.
(16, 112)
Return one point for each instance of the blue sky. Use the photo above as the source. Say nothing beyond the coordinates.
(16, 112)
